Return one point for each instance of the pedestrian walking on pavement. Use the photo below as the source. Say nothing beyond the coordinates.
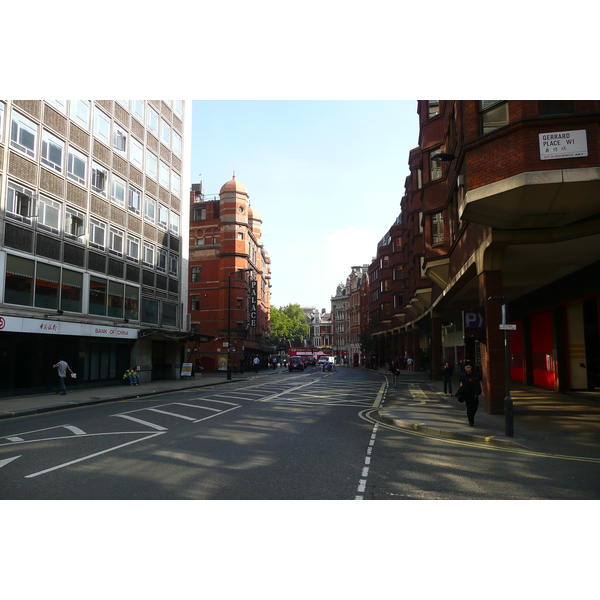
(409, 363)
(394, 373)
(469, 392)
(256, 362)
(62, 367)
(447, 371)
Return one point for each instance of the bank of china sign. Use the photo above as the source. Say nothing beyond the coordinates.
(23, 325)
(563, 144)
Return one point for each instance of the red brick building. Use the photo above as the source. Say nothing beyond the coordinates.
(229, 279)
(502, 206)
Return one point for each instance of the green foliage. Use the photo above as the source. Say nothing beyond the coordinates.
(288, 325)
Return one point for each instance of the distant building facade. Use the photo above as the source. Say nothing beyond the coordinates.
(230, 280)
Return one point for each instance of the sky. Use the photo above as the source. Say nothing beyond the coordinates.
(325, 176)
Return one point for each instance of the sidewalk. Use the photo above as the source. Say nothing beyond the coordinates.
(544, 421)
(45, 402)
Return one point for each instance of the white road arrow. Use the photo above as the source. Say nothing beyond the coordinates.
(8, 460)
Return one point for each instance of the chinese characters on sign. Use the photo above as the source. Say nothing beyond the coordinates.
(563, 144)
(253, 301)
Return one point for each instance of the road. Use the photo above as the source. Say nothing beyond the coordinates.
(301, 435)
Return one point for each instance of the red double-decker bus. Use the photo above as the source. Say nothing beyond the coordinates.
(310, 351)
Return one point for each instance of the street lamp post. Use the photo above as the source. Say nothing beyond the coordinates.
(229, 320)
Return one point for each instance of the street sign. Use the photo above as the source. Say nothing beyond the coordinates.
(508, 326)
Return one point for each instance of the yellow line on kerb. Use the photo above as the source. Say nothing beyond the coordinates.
(379, 395)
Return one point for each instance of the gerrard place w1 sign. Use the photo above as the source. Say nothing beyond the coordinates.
(563, 144)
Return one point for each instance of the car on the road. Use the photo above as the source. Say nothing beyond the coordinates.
(324, 360)
(296, 363)
(311, 361)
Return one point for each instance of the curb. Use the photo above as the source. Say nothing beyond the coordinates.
(456, 435)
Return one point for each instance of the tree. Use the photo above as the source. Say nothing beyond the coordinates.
(288, 325)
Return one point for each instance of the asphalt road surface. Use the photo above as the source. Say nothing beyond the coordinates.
(302, 435)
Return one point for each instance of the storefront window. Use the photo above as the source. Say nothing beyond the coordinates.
(19, 281)
(47, 280)
(97, 296)
(71, 295)
(132, 301)
(115, 299)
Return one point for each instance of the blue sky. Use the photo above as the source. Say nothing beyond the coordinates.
(326, 177)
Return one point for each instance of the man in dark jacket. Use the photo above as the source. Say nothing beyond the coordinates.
(469, 391)
(447, 378)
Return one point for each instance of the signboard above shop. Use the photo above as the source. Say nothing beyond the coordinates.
(563, 144)
(55, 327)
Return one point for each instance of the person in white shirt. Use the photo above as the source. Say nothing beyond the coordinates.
(62, 367)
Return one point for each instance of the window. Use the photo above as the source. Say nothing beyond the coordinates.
(240, 235)
(137, 109)
(118, 191)
(47, 281)
(116, 293)
(132, 302)
(199, 213)
(195, 275)
(80, 112)
(60, 105)
(176, 143)
(435, 165)
(169, 314)
(74, 224)
(163, 216)
(165, 132)
(195, 302)
(101, 126)
(161, 259)
(433, 107)
(148, 254)
(164, 175)
(397, 273)
(115, 243)
(135, 200)
(173, 264)
(149, 209)
(136, 153)
(178, 107)
(23, 134)
(437, 228)
(52, 151)
(174, 222)
(18, 285)
(71, 294)
(175, 184)
(49, 215)
(149, 311)
(494, 114)
(99, 179)
(97, 234)
(556, 107)
(151, 165)
(20, 203)
(77, 166)
(97, 296)
(120, 141)
(1, 120)
(133, 248)
(152, 120)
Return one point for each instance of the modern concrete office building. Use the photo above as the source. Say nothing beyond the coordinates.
(93, 239)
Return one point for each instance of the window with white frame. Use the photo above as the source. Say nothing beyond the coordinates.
(80, 112)
(133, 248)
(437, 228)
(120, 140)
(175, 184)
(135, 200)
(101, 126)
(163, 216)
(49, 215)
(20, 203)
(23, 134)
(149, 254)
(77, 166)
(494, 114)
(161, 259)
(137, 109)
(116, 238)
(1, 120)
(165, 132)
(99, 179)
(149, 209)
(152, 120)
(164, 175)
(176, 143)
(173, 264)
(136, 153)
(174, 223)
(178, 107)
(97, 234)
(53, 150)
(74, 224)
(60, 105)
(118, 190)
(151, 165)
